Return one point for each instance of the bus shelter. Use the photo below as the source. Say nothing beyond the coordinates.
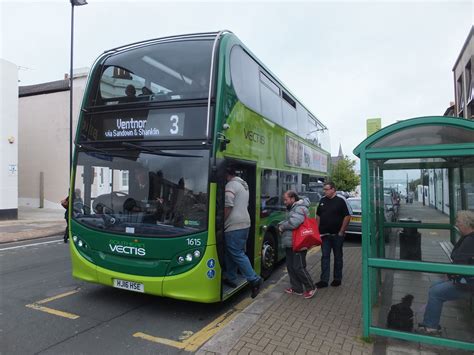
(416, 175)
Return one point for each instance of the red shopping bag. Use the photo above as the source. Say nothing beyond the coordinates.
(306, 235)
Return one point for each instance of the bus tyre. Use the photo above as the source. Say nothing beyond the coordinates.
(268, 255)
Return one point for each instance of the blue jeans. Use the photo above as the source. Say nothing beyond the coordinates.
(439, 293)
(331, 242)
(235, 258)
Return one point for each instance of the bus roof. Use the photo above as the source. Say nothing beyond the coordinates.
(203, 35)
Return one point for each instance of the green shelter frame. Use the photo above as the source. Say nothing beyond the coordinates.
(419, 143)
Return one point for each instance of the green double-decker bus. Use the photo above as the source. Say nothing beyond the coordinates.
(160, 121)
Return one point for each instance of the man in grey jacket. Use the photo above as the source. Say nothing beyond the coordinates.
(300, 280)
(236, 230)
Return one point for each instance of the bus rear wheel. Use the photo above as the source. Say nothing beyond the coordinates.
(268, 255)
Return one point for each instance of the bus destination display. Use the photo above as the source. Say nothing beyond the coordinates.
(154, 126)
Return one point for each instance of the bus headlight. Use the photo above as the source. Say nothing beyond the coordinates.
(80, 243)
(74, 238)
(189, 257)
(180, 260)
(197, 254)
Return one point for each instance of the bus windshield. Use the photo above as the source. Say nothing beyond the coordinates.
(144, 193)
(160, 72)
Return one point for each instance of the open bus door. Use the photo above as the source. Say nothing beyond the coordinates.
(247, 171)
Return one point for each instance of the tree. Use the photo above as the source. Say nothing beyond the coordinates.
(423, 180)
(344, 176)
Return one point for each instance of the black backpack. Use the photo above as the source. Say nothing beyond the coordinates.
(400, 316)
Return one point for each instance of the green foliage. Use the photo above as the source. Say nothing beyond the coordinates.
(423, 180)
(413, 184)
(344, 176)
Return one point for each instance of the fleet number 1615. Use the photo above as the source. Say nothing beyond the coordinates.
(194, 241)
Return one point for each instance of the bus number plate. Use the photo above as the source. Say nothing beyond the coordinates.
(129, 285)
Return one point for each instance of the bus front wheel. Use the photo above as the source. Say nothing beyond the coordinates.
(268, 255)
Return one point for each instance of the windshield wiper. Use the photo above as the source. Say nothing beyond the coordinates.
(159, 152)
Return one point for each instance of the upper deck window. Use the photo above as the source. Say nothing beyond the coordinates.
(160, 72)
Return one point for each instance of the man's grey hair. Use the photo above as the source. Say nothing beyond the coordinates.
(466, 218)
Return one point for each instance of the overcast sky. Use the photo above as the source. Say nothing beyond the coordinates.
(346, 61)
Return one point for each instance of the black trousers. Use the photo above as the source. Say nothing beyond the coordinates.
(66, 231)
(300, 279)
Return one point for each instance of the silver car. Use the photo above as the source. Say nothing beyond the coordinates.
(355, 225)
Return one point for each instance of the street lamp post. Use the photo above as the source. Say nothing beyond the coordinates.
(73, 3)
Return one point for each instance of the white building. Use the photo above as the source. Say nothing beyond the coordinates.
(8, 140)
(43, 152)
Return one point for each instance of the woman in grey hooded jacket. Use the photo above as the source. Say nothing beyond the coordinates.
(300, 280)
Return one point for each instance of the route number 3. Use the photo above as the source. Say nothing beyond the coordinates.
(174, 124)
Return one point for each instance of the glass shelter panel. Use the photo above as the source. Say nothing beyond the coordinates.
(413, 203)
(425, 135)
(417, 244)
(421, 194)
(464, 187)
(409, 298)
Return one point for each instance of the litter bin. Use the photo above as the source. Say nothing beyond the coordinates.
(410, 241)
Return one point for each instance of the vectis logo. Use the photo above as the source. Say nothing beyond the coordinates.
(127, 248)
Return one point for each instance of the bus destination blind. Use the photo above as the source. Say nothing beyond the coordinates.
(154, 125)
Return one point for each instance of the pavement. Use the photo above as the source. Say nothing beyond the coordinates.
(279, 323)
(33, 223)
(330, 322)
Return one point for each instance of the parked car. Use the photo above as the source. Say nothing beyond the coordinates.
(390, 209)
(343, 193)
(355, 225)
(390, 212)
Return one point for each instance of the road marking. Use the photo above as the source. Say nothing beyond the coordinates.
(185, 335)
(175, 344)
(30, 245)
(37, 305)
(65, 294)
(52, 311)
(196, 340)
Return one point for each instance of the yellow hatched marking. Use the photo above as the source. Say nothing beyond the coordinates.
(52, 311)
(36, 305)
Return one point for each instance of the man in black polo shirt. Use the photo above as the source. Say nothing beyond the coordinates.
(333, 218)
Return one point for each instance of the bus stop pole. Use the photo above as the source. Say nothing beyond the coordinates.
(71, 89)
(73, 3)
(365, 192)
